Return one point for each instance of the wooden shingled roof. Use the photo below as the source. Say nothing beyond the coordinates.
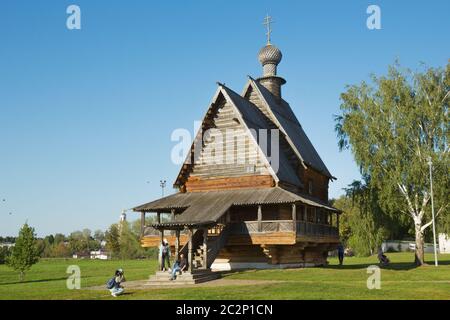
(289, 124)
(252, 118)
(211, 205)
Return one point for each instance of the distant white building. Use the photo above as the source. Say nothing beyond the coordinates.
(100, 254)
(7, 245)
(404, 246)
(80, 255)
(123, 216)
(444, 243)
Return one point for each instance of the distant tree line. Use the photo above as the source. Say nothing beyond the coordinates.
(121, 242)
(7, 239)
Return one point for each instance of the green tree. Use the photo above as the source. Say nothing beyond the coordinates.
(60, 250)
(24, 254)
(112, 240)
(50, 240)
(99, 235)
(392, 127)
(4, 254)
(59, 237)
(349, 211)
(136, 224)
(76, 243)
(129, 243)
(368, 224)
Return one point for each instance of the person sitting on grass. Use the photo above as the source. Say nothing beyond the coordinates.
(384, 260)
(114, 283)
(179, 266)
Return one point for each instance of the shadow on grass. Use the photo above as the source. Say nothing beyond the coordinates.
(33, 281)
(228, 273)
(400, 266)
(392, 266)
(127, 293)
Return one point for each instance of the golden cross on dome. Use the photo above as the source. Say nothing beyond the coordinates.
(267, 22)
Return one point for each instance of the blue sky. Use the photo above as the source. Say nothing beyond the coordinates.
(86, 115)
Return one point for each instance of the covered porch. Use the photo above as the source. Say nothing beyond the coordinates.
(200, 224)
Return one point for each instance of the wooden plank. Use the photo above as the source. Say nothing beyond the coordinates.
(266, 238)
(177, 244)
(259, 218)
(196, 184)
(142, 223)
(155, 241)
(190, 250)
(294, 217)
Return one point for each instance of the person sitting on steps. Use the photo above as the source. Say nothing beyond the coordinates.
(179, 266)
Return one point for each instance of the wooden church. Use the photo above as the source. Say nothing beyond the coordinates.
(258, 208)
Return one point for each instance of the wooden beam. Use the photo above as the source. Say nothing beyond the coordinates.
(158, 217)
(294, 217)
(197, 184)
(177, 244)
(205, 248)
(190, 250)
(172, 218)
(142, 223)
(259, 218)
(160, 252)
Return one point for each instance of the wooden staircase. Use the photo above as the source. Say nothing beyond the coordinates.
(198, 272)
(214, 245)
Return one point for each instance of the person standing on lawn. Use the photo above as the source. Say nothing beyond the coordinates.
(164, 254)
(340, 251)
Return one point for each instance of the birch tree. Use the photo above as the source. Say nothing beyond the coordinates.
(24, 253)
(393, 125)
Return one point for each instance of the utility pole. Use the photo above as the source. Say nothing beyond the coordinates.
(430, 164)
(162, 183)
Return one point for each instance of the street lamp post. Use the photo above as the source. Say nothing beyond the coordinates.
(162, 183)
(430, 164)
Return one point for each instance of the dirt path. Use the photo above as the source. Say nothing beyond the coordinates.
(143, 284)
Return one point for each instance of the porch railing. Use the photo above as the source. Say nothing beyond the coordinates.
(267, 226)
(150, 231)
(316, 229)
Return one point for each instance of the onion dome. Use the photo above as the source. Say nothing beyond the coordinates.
(269, 56)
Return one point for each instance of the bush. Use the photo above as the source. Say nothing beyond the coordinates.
(4, 254)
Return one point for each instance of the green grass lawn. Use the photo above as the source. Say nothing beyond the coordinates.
(401, 280)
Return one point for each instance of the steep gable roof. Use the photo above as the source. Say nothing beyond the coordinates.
(251, 118)
(256, 120)
(285, 119)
